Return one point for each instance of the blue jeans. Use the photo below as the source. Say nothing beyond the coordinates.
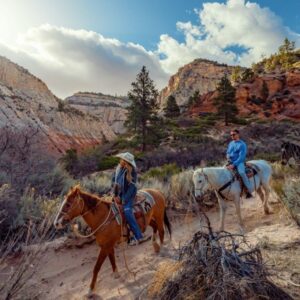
(242, 172)
(130, 218)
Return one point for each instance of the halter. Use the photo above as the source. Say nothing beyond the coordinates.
(206, 178)
(84, 213)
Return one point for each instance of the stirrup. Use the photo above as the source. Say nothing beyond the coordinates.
(248, 195)
(133, 241)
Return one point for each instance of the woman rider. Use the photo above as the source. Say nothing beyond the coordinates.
(124, 181)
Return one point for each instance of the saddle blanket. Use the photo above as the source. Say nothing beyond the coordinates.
(142, 204)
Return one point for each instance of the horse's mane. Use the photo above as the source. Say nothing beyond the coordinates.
(92, 200)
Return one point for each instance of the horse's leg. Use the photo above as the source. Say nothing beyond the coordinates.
(261, 194)
(266, 188)
(237, 203)
(112, 260)
(155, 245)
(223, 208)
(161, 230)
(101, 258)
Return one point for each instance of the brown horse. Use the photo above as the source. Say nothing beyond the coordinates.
(98, 214)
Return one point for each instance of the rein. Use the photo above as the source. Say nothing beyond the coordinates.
(75, 227)
(82, 214)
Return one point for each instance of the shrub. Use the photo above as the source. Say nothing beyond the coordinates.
(290, 198)
(54, 183)
(162, 173)
(108, 162)
(97, 184)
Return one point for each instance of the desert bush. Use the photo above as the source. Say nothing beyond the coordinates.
(52, 183)
(97, 184)
(290, 198)
(161, 173)
(108, 162)
(35, 208)
(154, 183)
(15, 280)
(286, 184)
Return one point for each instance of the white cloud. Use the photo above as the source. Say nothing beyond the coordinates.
(235, 23)
(71, 60)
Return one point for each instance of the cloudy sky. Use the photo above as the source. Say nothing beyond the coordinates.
(100, 45)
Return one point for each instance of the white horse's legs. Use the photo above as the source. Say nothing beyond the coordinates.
(223, 208)
(237, 203)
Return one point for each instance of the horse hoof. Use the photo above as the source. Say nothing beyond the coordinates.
(156, 247)
(268, 211)
(116, 275)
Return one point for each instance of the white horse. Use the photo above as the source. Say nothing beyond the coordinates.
(214, 178)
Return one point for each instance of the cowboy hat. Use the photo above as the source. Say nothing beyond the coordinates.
(127, 157)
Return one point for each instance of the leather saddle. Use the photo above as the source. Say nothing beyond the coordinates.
(143, 202)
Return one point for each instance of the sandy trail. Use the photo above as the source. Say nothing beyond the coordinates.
(65, 272)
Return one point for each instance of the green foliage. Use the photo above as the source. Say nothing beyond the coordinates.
(108, 162)
(34, 207)
(70, 159)
(247, 75)
(161, 173)
(124, 142)
(193, 99)
(286, 184)
(236, 74)
(53, 183)
(225, 101)
(142, 113)
(283, 60)
(171, 109)
(97, 184)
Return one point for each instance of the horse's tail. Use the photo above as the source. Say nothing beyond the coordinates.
(167, 223)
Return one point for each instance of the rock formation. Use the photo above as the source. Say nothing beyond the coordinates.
(111, 110)
(25, 101)
(202, 75)
(279, 99)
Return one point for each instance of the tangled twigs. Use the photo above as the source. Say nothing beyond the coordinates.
(221, 265)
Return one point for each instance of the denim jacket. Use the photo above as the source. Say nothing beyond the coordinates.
(127, 190)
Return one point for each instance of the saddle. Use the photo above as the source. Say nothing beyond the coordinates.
(143, 202)
(250, 169)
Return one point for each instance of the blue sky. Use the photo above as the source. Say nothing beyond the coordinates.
(99, 45)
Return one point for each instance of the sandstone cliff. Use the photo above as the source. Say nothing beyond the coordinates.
(26, 102)
(202, 75)
(111, 110)
(279, 99)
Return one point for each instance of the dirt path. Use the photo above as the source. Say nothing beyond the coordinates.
(65, 273)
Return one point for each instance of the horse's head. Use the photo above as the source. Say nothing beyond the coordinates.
(200, 182)
(71, 208)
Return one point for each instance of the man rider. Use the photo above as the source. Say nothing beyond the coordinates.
(236, 155)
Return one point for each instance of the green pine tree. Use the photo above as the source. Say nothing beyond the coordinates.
(171, 109)
(225, 101)
(142, 113)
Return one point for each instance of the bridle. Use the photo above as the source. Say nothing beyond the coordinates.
(82, 213)
(206, 178)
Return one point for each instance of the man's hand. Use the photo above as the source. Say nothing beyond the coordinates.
(230, 167)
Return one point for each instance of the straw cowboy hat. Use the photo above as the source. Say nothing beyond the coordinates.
(127, 157)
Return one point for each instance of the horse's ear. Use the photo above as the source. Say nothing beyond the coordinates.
(202, 163)
(76, 187)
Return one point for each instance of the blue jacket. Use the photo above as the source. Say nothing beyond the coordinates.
(127, 189)
(236, 152)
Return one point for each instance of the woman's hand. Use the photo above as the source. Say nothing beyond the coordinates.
(117, 200)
